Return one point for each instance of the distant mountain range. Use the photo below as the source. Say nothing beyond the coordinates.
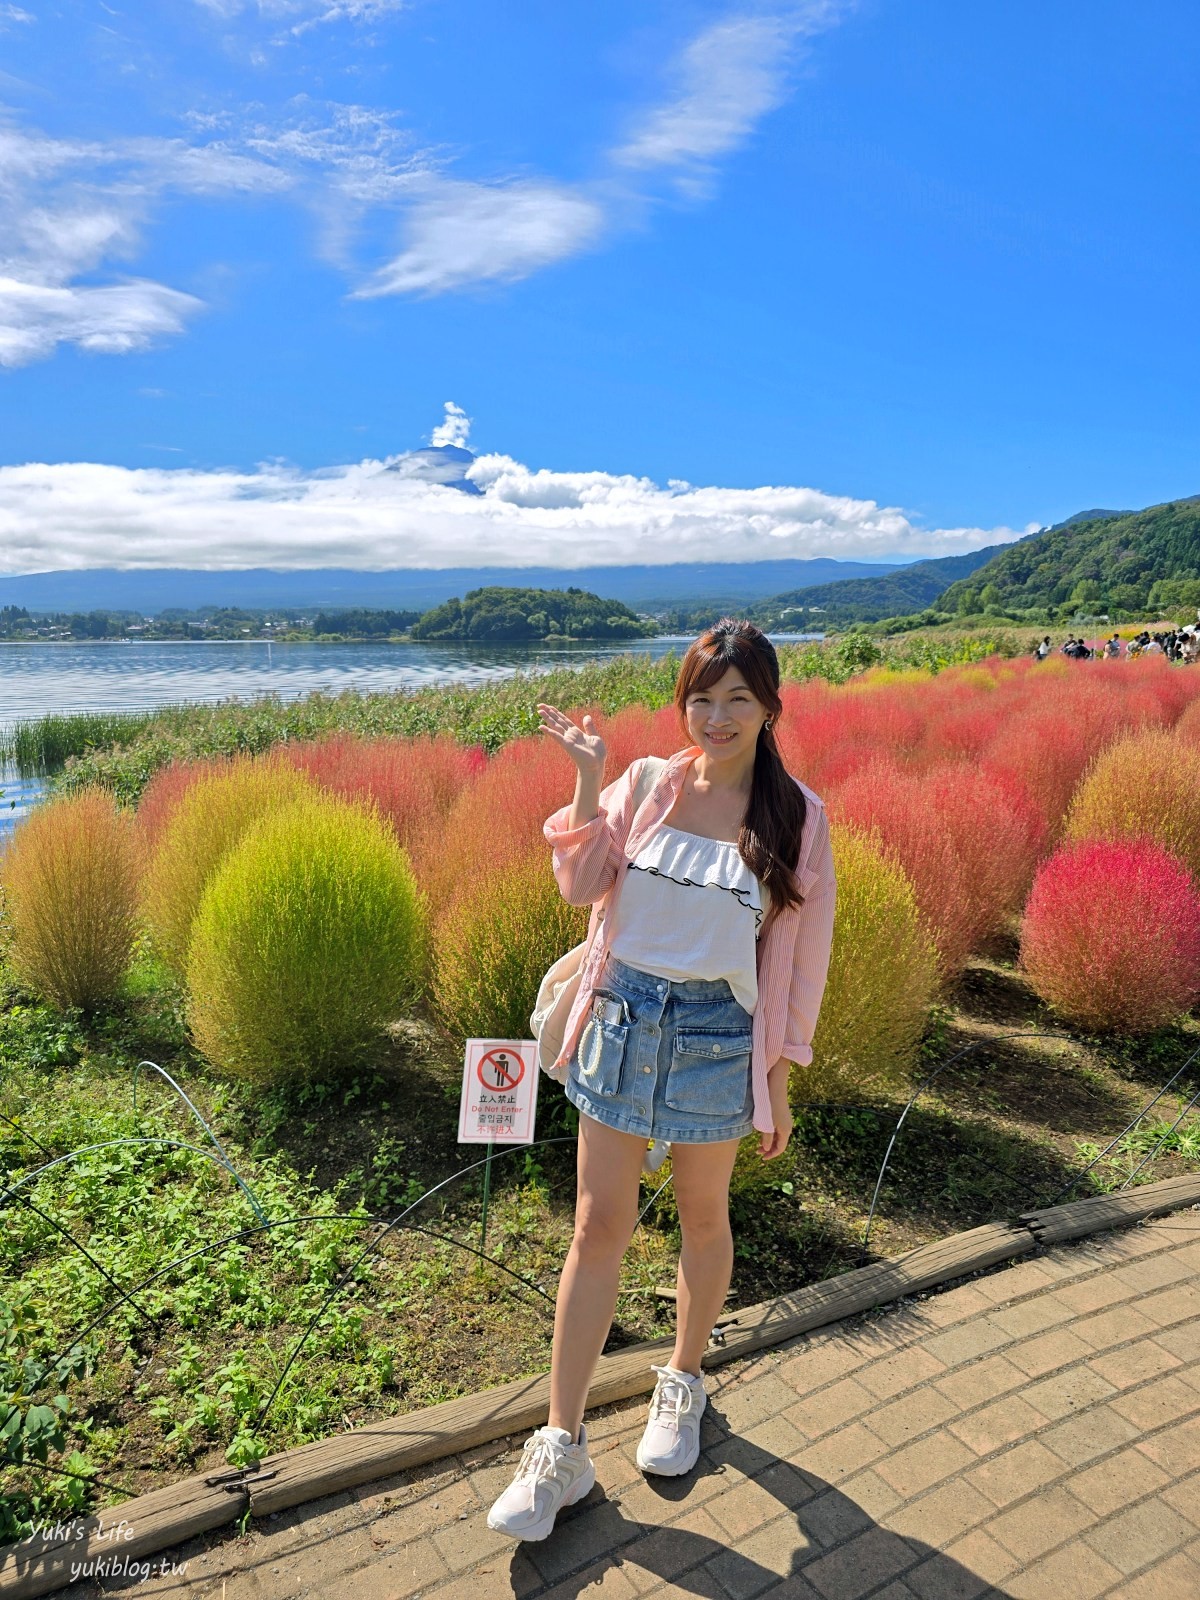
(893, 594)
(645, 588)
(1099, 559)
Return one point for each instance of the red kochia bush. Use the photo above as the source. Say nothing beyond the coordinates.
(997, 833)
(632, 732)
(1111, 935)
(496, 818)
(412, 782)
(1048, 754)
(883, 799)
(969, 841)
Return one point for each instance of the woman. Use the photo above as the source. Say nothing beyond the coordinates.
(701, 981)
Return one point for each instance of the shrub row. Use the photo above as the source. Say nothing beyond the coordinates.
(312, 894)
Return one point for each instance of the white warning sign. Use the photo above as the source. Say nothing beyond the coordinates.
(499, 1092)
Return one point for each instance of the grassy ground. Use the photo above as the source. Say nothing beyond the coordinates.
(177, 1381)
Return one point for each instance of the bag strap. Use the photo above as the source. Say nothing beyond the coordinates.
(653, 768)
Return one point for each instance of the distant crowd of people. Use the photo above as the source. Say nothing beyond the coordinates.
(1177, 644)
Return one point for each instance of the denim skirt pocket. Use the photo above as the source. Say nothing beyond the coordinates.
(709, 1072)
(601, 1056)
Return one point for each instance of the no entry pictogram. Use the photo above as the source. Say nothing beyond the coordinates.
(500, 1069)
(499, 1092)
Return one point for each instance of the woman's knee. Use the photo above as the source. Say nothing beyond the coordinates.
(602, 1232)
(705, 1225)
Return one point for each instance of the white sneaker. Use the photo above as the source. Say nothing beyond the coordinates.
(552, 1472)
(671, 1442)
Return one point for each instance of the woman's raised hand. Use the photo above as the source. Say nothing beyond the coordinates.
(584, 745)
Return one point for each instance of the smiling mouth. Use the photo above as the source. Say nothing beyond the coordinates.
(721, 738)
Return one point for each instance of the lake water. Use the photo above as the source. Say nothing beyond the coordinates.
(37, 679)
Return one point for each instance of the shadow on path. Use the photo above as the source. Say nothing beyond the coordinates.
(826, 1547)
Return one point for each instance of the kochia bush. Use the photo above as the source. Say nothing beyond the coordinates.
(1111, 935)
(893, 804)
(1146, 786)
(162, 795)
(411, 782)
(70, 882)
(493, 943)
(309, 938)
(882, 979)
(209, 819)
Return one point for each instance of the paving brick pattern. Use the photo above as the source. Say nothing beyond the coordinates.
(1034, 1434)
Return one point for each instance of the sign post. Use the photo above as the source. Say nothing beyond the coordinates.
(498, 1102)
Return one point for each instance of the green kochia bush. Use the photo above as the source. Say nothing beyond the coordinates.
(309, 938)
(215, 810)
(882, 979)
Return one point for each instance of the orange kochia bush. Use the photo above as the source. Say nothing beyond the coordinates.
(1111, 935)
(1146, 786)
(70, 879)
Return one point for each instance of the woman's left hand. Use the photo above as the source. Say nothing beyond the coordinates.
(775, 1143)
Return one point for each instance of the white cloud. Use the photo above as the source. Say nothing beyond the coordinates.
(110, 320)
(78, 206)
(11, 13)
(727, 79)
(454, 428)
(459, 234)
(83, 514)
(302, 15)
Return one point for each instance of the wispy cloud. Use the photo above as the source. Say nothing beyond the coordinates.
(470, 233)
(724, 82)
(111, 320)
(78, 206)
(84, 514)
(300, 15)
(15, 14)
(727, 79)
(75, 207)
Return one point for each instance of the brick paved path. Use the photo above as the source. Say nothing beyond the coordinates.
(1032, 1433)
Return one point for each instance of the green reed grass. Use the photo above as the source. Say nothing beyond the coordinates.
(40, 744)
(124, 752)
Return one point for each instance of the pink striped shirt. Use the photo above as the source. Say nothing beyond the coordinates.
(793, 952)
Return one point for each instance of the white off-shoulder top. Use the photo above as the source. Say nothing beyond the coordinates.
(691, 908)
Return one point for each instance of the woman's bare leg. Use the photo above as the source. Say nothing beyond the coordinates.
(701, 1177)
(605, 1214)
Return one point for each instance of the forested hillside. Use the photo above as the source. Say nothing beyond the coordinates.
(1120, 565)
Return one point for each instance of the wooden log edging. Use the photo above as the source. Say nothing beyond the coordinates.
(165, 1517)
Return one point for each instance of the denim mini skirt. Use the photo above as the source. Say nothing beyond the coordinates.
(664, 1059)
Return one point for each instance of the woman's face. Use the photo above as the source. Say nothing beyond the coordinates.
(724, 720)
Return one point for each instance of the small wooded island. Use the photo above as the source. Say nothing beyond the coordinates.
(503, 614)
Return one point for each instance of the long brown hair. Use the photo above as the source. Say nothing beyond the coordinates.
(769, 840)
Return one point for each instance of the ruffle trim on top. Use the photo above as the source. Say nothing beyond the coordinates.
(699, 863)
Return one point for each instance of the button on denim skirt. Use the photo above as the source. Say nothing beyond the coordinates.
(664, 1059)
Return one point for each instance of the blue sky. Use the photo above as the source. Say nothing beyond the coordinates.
(875, 279)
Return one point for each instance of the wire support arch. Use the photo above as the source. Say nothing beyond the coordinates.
(180, 1144)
